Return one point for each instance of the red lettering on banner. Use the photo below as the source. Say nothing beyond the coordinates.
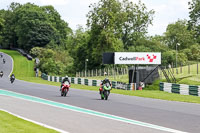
(140, 59)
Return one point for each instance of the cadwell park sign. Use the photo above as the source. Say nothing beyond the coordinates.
(137, 58)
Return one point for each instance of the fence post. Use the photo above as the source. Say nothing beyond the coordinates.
(189, 69)
(181, 68)
(114, 72)
(99, 74)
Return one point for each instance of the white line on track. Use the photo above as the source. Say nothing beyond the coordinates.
(90, 112)
(41, 124)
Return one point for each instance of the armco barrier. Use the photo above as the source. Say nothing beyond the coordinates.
(89, 82)
(180, 89)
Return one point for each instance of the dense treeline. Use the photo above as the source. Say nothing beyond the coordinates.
(111, 26)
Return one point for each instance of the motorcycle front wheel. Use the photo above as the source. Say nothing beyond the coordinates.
(106, 95)
(65, 92)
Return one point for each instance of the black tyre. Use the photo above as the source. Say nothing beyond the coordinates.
(102, 98)
(106, 95)
(65, 93)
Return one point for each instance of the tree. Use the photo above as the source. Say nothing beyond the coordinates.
(194, 22)
(61, 28)
(2, 23)
(29, 25)
(193, 53)
(114, 26)
(9, 34)
(178, 33)
(53, 61)
(136, 21)
(32, 27)
(79, 49)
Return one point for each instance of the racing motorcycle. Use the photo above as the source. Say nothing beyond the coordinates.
(65, 88)
(1, 74)
(105, 91)
(12, 80)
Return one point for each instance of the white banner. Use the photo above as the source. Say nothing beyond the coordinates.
(137, 58)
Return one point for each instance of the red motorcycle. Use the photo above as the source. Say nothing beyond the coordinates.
(65, 88)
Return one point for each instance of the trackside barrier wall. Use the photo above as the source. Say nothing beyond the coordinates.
(180, 89)
(89, 82)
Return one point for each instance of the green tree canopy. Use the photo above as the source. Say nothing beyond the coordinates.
(115, 25)
(194, 21)
(178, 33)
(30, 25)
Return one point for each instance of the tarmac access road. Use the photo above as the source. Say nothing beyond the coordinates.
(136, 114)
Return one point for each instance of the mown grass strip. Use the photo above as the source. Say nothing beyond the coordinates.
(13, 124)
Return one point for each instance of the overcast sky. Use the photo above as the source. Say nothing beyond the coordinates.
(74, 11)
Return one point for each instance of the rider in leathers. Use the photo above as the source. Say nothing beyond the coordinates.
(64, 80)
(106, 80)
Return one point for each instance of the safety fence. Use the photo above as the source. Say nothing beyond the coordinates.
(89, 82)
(180, 89)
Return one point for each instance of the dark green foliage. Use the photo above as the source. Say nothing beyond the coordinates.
(28, 26)
(178, 33)
(194, 24)
(111, 33)
(53, 62)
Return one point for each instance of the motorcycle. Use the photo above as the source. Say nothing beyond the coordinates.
(12, 80)
(4, 61)
(1, 74)
(65, 88)
(105, 91)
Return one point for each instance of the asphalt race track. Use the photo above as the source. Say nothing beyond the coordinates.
(178, 116)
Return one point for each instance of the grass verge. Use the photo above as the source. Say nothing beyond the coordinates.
(13, 124)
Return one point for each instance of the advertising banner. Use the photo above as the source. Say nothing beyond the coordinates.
(137, 58)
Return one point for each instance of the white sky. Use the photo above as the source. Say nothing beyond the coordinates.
(74, 11)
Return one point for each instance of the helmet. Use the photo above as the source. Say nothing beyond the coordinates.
(66, 76)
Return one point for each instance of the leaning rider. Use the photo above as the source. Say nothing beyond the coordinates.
(106, 80)
(12, 77)
(1, 73)
(64, 80)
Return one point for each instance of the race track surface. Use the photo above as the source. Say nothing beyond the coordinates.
(174, 115)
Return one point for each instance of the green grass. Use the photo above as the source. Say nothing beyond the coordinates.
(22, 66)
(120, 78)
(150, 92)
(13, 124)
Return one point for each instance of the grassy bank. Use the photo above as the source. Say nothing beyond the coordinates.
(22, 66)
(13, 124)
